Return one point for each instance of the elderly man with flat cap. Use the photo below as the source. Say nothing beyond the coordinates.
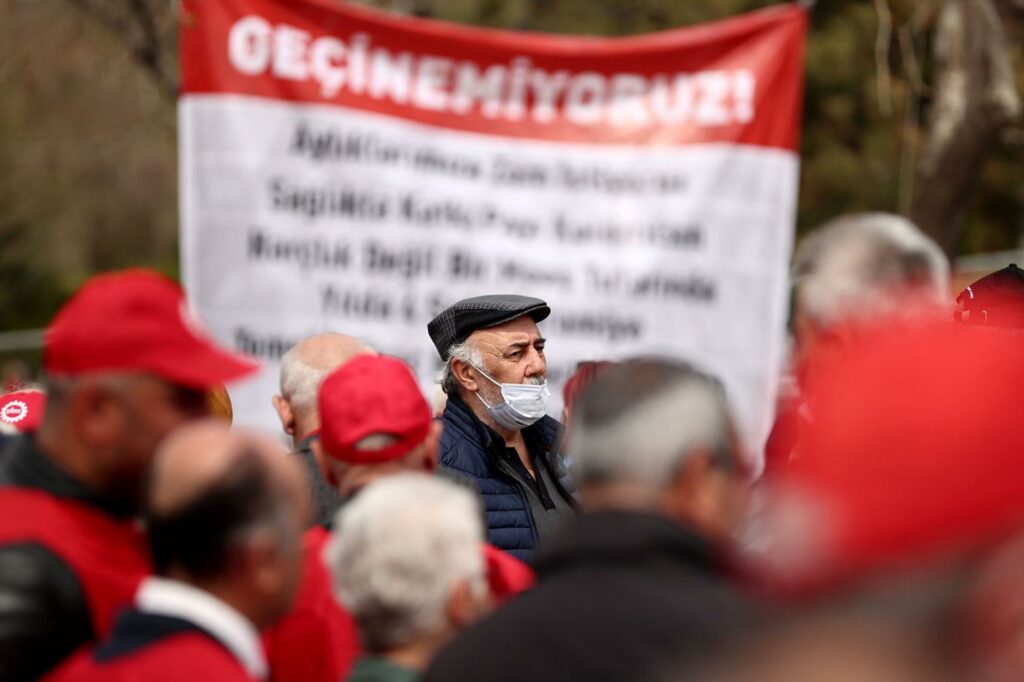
(496, 429)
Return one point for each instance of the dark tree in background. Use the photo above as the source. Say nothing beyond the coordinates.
(974, 98)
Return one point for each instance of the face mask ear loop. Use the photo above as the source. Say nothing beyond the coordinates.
(488, 377)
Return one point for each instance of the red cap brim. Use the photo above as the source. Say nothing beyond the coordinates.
(201, 366)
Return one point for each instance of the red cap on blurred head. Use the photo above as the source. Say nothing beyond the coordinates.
(370, 395)
(22, 410)
(913, 452)
(137, 321)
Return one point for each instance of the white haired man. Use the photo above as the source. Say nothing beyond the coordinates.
(633, 584)
(303, 369)
(855, 270)
(406, 563)
(496, 430)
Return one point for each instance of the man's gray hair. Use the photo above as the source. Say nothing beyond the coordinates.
(400, 548)
(639, 421)
(306, 364)
(300, 381)
(866, 265)
(464, 351)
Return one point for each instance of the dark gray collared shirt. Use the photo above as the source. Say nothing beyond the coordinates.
(550, 511)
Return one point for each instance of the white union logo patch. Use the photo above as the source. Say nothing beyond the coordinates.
(14, 412)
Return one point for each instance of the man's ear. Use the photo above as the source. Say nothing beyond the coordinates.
(285, 414)
(464, 606)
(259, 558)
(465, 375)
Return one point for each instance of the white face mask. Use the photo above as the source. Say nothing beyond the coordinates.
(523, 404)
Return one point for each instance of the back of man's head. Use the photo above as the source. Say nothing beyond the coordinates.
(865, 266)
(648, 434)
(407, 561)
(374, 422)
(225, 513)
(303, 369)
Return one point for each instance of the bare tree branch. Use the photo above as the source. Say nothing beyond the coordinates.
(882, 42)
(975, 96)
(134, 23)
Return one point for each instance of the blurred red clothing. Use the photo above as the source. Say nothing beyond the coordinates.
(507, 576)
(912, 454)
(317, 641)
(107, 554)
(178, 653)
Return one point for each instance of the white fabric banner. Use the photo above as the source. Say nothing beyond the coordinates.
(301, 214)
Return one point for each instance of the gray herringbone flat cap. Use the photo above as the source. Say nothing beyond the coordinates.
(459, 320)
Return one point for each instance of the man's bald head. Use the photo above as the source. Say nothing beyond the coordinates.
(198, 456)
(211, 490)
(303, 369)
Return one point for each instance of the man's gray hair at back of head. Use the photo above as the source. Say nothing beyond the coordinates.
(300, 381)
(868, 265)
(639, 421)
(400, 548)
(464, 351)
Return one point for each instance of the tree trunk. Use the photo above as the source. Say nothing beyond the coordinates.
(975, 97)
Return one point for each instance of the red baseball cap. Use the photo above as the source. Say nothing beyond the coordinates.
(22, 410)
(137, 321)
(913, 452)
(369, 395)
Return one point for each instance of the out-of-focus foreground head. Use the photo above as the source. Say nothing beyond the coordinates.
(576, 384)
(126, 363)
(303, 369)
(866, 266)
(407, 563)
(226, 511)
(375, 422)
(913, 457)
(657, 435)
(995, 301)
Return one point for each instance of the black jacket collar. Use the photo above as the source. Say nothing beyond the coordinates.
(26, 466)
(610, 537)
(135, 630)
(541, 437)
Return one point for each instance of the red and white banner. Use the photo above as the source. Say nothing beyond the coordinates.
(346, 169)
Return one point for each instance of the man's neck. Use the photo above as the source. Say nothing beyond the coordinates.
(70, 457)
(303, 427)
(415, 656)
(511, 437)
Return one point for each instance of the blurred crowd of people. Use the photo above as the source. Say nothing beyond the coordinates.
(143, 537)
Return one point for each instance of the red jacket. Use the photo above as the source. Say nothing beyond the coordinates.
(108, 555)
(154, 648)
(317, 641)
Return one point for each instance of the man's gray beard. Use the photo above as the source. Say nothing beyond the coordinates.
(536, 381)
